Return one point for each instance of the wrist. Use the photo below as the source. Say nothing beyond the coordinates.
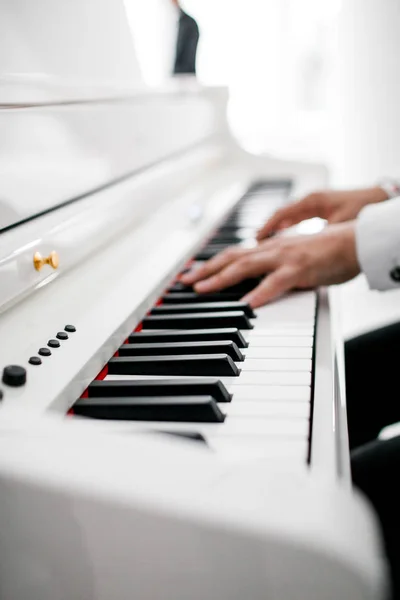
(390, 187)
(349, 243)
(378, 194)
(348, 265)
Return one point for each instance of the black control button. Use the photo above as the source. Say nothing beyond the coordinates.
(14, 375)
(1, 395)
(395, 274)
(61, 335)
(35, 360)
(70, 328)
(44, 352)
(53, 343)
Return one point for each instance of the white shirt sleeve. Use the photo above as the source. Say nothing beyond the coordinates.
(378, 244)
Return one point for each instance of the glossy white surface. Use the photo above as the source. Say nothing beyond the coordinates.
(124, 282)
(51, 154)
(152, 517)
(77, 232)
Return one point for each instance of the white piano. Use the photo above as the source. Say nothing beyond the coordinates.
(155, 444)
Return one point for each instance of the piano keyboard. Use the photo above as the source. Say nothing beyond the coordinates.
(210, 368)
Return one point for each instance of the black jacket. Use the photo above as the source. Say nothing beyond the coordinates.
(186, 46)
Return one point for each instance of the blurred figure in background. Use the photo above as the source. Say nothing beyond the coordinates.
(187, 42)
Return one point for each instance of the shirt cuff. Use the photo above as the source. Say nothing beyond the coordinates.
(378, 244)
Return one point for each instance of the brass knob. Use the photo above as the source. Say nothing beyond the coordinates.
(39, 260)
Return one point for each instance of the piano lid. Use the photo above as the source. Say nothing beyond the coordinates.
(57, 152)
(75, 115)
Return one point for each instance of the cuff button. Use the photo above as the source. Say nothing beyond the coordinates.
(395, 274)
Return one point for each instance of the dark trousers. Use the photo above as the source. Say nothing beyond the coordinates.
(373, 402)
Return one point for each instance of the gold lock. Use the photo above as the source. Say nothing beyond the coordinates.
(39, 260)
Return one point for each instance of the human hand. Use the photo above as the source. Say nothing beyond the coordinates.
(299, 262)
(335, 207)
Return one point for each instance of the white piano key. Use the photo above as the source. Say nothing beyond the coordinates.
(245, 378)
(236, 426)
(275, 364)
(298, 307)
(268, 378)
(272, 393)
(294, 320)
(280, 409)
(266, 393)
(276, 352)
(231, 427)
(277, 331)
(272, 341)
(293, 450)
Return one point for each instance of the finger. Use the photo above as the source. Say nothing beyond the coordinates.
(214, 265)
(276, 222)
(340, 217)
(290, 215)
(272, 286)
(250, 266)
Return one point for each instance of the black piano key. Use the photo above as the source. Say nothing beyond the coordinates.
(198, 320)
(251, 220)
(242, 232)
(235, 228)
(196, 365)
(231, 221)
(190, 335)
(179, 287)
(245, 286)
(204, 307)
(227, 240)
(159, 387)
(229, 227)
(225, 347)
(240, 288)
(186, 297)
(270, 184)
(186, 409)
(210, 252)
(216, 246)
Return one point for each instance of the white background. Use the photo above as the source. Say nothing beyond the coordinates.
(309, 79)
